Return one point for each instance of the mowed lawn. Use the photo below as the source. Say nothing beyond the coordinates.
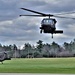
(39, 65)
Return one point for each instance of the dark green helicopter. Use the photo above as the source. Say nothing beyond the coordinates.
(48, 25)
(4, 56)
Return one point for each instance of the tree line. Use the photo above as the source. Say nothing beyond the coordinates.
(40, 50)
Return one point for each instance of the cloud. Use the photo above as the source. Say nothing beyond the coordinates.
(19, 30)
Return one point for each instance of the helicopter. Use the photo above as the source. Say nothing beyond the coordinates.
(4, 56)
(48, 25)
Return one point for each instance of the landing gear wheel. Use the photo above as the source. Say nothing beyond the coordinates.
(40, 31)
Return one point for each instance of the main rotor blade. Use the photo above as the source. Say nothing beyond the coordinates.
(63, 17)
(34, 11)
(50, 15)
(33, 15)
(65, 13)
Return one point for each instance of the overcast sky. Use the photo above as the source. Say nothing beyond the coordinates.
(21, 30)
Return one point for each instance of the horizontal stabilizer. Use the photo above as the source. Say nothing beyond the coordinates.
(53, 32)
(58, 31)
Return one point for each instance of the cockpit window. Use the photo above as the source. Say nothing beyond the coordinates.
(48, 21)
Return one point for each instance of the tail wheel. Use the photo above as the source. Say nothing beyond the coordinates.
(52, 36)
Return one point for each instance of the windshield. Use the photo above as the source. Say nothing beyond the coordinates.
(48, 21)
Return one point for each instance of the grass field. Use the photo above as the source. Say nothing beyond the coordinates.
(39, 65)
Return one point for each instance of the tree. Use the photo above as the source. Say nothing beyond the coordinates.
(54, 49)
(0, 45)
(45, 50)
(14, 47)
(72, 46)
(28, 50)
(68, 46)
(39, 45)
(15, 51)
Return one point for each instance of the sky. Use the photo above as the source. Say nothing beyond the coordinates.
(20, 30)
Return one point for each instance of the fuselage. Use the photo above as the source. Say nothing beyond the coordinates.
(48, 25)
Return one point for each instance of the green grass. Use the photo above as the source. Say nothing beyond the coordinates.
(39, 65)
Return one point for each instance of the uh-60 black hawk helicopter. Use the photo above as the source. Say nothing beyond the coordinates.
(48, 24)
